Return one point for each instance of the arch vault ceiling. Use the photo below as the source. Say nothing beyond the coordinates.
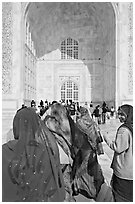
(91, 23)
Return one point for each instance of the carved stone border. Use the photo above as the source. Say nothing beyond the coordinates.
(130, 48)
(7, 54)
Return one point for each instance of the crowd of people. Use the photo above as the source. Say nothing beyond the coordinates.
(31, 168)
(99, 113)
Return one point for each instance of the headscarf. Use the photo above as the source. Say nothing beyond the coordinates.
(128, 112)
(25, 125)
(83, 111)
(86, 124)
(35, 169)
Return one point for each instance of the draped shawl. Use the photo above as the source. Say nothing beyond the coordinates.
(34, 167)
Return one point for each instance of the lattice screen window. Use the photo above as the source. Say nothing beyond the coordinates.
(69, 49)
(75, 95)
(69, 90)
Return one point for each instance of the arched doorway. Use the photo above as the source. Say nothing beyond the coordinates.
(13, 65)
(108, 61)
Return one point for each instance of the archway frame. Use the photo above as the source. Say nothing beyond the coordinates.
(117, 45)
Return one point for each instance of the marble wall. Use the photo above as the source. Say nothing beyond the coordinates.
(125, 53)
(94, 81)
(12, 77)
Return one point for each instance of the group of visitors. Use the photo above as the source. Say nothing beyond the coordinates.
(31, 169)
(99, 113)
(41, 108)
(71, 106)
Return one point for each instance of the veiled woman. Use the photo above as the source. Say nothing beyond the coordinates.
(122, 164)
(87, 172)
(30, 163)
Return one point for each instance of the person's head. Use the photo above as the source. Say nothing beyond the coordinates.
(104, 103)
(25, 124)
(54, 102)
(23, 106)
(33, 103)
(125, 114)
(70, 102)
(83, 111)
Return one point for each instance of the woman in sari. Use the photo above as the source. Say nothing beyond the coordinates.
(87, 173)
(122, 164)
(30, 163)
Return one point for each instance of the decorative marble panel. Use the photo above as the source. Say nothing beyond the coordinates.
(76, 79)
(7, 36)
(130, 48)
